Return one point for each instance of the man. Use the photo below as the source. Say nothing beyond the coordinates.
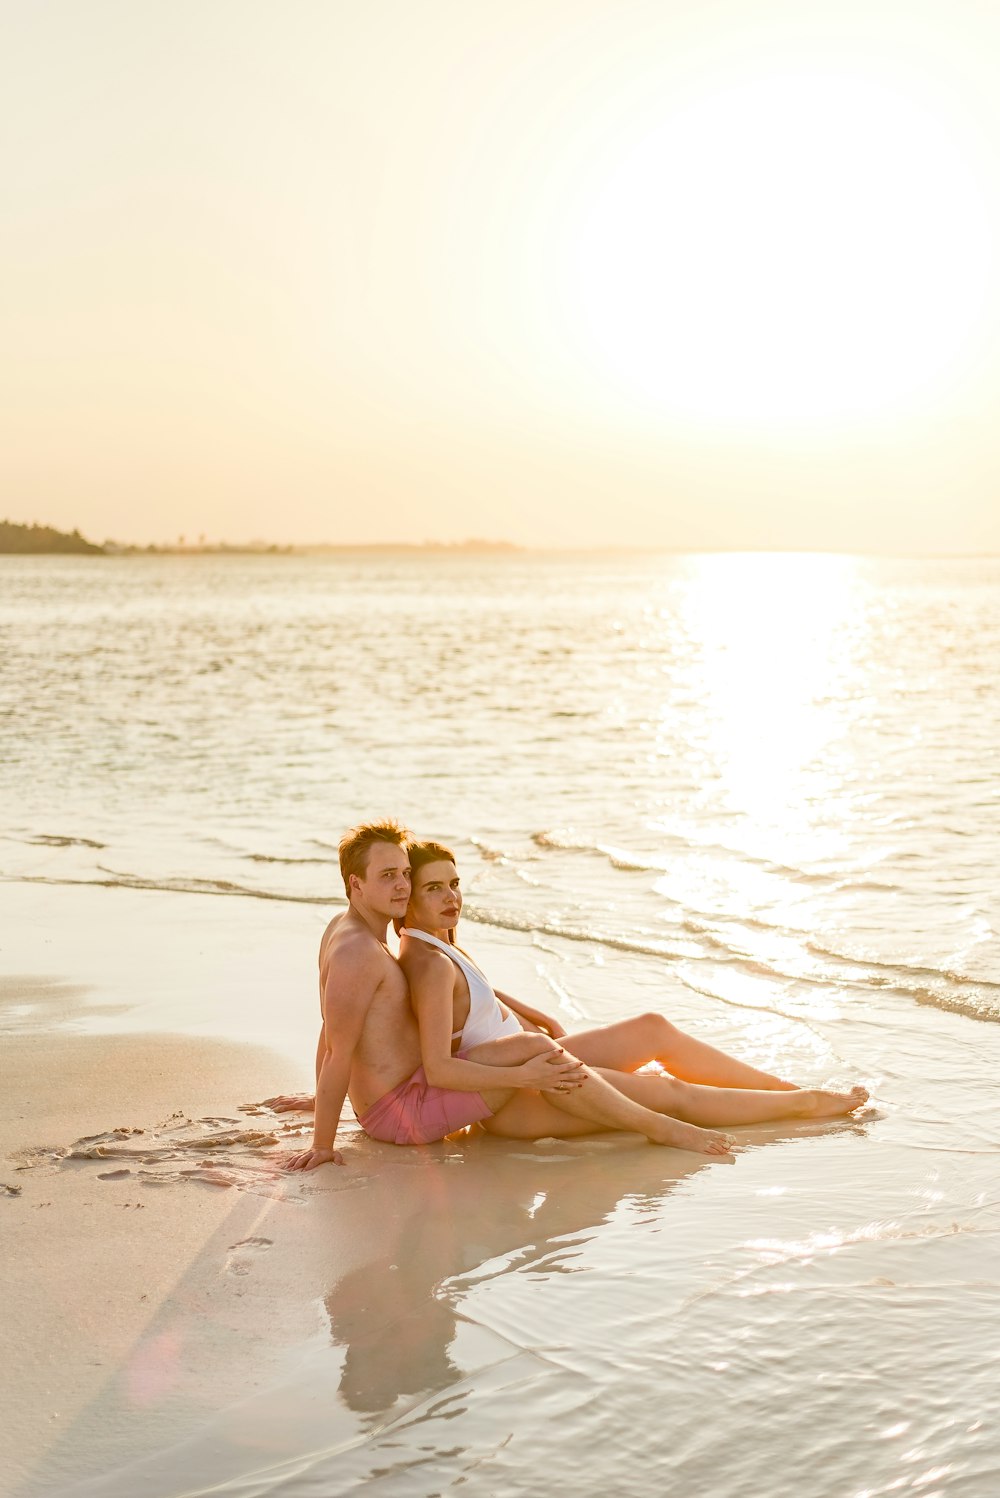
(370, 1043)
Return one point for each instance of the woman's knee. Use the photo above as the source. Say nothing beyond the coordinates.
(533, 1043)
(511, 1050)
(658, 1025)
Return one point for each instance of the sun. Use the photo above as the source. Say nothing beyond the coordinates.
(797, 251)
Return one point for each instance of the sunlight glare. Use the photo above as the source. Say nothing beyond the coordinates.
(774, 643)
(794, 252)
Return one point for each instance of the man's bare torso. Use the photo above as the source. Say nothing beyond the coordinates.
(389, 1048)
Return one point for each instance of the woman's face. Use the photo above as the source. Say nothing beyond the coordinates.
(435, 897)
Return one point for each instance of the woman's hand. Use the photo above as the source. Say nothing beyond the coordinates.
(311, 1158)
(553, 1071)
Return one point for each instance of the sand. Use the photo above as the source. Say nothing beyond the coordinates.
(472, 1313)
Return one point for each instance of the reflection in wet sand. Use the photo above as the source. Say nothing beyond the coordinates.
(428, 1230)
(489, 1211)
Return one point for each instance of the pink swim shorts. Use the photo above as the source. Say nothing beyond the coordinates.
(417, 1113)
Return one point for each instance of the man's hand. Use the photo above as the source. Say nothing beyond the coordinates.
(290, 1102)
(311, 1158)
(553, 1071)
(530, 1018)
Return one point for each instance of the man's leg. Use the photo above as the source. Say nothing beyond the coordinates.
(632, 1043)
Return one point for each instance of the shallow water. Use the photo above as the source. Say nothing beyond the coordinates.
(759, 792)
(776, 769)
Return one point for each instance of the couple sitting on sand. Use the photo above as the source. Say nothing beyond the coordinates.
(423, 1046)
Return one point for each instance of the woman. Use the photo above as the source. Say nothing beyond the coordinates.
(472, 1041)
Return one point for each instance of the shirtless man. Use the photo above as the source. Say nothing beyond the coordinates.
(370, 1043)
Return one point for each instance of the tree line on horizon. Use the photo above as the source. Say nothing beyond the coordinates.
(35, 539)
(43, 538)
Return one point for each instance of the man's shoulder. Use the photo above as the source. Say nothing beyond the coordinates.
(355, 956)
(351, 944)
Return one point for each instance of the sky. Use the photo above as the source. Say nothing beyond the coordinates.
(572, 273)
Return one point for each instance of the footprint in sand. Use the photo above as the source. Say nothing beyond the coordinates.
(243, 1253)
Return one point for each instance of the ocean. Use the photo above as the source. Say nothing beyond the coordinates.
(757, 792)
(777, 772)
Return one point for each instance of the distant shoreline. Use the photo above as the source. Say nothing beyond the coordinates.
(45, 540)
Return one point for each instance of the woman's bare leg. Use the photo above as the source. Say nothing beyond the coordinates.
(592, 1107)
(729, 1107)
(538, 1115)
(649, 1037)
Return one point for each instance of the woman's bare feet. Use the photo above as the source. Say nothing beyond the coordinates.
(815, 1103)
(684, 1136)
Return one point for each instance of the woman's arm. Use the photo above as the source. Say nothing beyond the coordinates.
(432, 992)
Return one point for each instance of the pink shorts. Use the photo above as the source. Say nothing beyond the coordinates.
(417, 1113)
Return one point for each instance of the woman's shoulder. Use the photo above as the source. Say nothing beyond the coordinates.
(419, 956)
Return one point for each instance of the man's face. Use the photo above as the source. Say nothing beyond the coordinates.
(436, 898)
(385, 887)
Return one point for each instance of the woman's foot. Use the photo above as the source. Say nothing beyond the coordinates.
(683, 1136)
(816, 1103)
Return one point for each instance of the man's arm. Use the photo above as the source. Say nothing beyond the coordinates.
(535, 1019)
(331, 1091)
(347, 995)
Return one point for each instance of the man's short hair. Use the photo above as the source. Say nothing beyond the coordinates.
(356, 845)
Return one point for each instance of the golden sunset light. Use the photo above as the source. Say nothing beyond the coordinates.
(591, 274)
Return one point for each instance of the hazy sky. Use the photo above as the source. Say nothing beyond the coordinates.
(554, 271)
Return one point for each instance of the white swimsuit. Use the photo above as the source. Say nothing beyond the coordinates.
(487, 1018)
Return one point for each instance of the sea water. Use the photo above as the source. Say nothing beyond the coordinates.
(757, 791)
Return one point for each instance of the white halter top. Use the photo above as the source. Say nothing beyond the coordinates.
(487, 1019)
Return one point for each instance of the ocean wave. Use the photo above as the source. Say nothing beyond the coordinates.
(57, 840)
(956, 993)
(561, 840)
(491, 854)
(506, 920)
(943, 990)
(181, 886)
(940, 988)
(273, 858)
(914, 970)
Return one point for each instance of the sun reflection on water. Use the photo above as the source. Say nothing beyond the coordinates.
(771, 661)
